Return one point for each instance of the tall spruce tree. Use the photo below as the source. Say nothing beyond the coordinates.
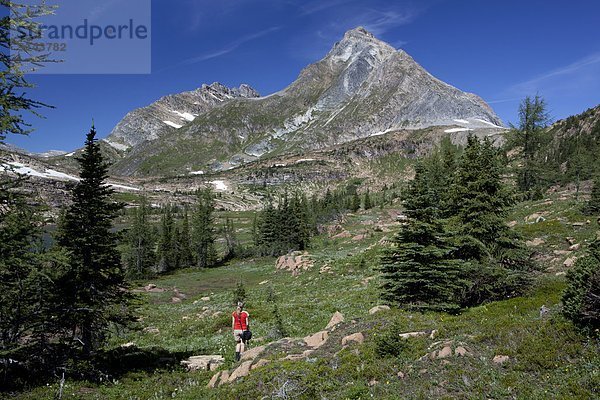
(93, 292)
(533, 119)
(593, 205)
(141, 255)
(478, 204)
(419, 271)
(203, 234)
(167, 250)
(185, 241)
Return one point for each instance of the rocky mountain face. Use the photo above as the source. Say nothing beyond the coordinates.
(172, 112)
(363, 87)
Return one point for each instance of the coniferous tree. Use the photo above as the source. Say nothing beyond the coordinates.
(231, 242)
(93, 291)
(186, 255)
(478, 203)
(419, 271)
(533, 119)
(203, 235)
(367, 205)
(355, 202)
(141, 256)
(593, 205)
(167, 250)
(581, 298)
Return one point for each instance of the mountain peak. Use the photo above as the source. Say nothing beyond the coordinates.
(359, 31)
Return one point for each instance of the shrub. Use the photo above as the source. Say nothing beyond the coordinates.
(581, 298)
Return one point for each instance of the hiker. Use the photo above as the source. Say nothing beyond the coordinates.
(239, 323)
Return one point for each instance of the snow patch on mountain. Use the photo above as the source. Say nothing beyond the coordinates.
(173, 124)
(457, 130)
(118, 146)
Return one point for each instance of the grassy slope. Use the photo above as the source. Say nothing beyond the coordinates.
(548, 359)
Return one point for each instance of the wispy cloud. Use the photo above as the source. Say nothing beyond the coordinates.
(569, 76)
(313, 7)
(229, 47)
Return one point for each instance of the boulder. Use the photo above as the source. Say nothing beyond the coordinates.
(294, 262)
(203, 363)
(500, 359)
(317, 340)
(569, 262)
(358, 338)
(252, 353)
(206, 298)
(241, 371)
(336, 319)
(575, 247)
(460, 352)
(175, 300)
(224, 378)
(445, 352)
(535, 242)
(408, 335)
(377, 309)
(213, 381)
(260, 363)
(342, 235)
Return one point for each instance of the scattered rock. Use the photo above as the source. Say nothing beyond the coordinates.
(175, 300)
(264, 282)
(461, 352)
(401, 375)
(500, 359)
(325, 269)
(151, 329)
(213, 381)
(203, 363)
(575, 247)
(317, 340)
(445, 352)
(178, 294)
(535, 242)
(512, 224)
(294, 262)
(560, 273)
(578, 224)
(207, 298)
(333, 230)
(260, 363)
(152, 288)
(358, 238)
(252, 353)
(358, 338)
(241, 371)
(570, 240)
(407, 335)
(336, 319)
(224, 378)
(216, 314)
(342, 235)
(127, 345)
(373, 382)
(377, 309)
(544, 311)
(569, 262)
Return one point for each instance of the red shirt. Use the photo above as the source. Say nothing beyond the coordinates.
(240, 321)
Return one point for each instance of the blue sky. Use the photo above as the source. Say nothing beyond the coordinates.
(501, 50)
